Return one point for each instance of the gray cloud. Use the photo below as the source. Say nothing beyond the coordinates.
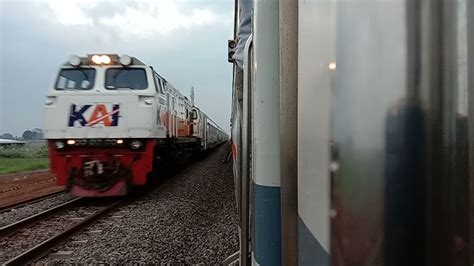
(33, 45)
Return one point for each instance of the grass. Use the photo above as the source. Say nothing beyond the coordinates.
(14, 165)
(29, 157)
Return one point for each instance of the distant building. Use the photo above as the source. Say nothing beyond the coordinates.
(10, 142)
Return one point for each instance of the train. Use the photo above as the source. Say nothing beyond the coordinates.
(352, 132)
(112, 122)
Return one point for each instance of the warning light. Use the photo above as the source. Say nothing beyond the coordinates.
(125, 60)
(74, 60)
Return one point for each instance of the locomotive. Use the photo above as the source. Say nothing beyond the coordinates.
(111, 123)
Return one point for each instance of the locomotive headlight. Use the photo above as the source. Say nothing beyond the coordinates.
(105, 59)
(125, 60)
(119, 141)
(97, 59)
(59, 145)
(71, 142)
(135, 145)
(74, 60)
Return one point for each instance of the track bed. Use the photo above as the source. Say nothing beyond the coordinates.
(187, 218)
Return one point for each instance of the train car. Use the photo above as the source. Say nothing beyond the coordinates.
(111, 122)
(207, 130)
(352, 131)
(11, 143)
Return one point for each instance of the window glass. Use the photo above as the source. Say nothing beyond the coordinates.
(76, 79)
(126, 78)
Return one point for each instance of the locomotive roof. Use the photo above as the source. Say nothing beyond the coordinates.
(85, 60)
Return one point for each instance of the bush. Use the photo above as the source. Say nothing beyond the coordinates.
(12, 152)
(40, 151)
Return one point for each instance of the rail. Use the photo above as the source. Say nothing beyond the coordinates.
(44, 248)
(11, 228)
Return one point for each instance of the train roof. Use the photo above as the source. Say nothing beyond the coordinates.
(115, 60)
(11, 141)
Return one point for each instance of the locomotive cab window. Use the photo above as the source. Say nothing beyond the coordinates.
(75, 79)
(126, 78)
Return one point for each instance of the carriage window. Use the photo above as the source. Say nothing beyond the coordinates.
(126, 78)
(76, 79)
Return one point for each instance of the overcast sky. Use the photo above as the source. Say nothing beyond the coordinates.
(185, 40)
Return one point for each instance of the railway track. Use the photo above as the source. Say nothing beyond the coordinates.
(20, 189)
(23, 203)
(68, 219)
(22, 180)
(14, 187)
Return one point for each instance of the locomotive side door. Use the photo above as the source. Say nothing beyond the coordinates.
(160, 99)
(173, 115)
(204, 130)
(168, 113)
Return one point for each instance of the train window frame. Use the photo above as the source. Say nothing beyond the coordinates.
(162, 82)
(128, 68)
(158, 83)
(91, 81)
(195, 114)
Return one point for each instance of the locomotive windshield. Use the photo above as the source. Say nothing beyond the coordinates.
(76, 79)
(126, 78)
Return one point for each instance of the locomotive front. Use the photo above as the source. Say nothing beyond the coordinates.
(102, 124)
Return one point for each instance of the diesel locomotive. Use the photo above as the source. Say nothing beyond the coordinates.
(111, 122)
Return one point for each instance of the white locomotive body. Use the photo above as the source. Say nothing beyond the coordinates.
(109, 119)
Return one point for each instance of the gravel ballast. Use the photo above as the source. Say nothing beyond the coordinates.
(17, 214)
(32, 235)
(188, 218)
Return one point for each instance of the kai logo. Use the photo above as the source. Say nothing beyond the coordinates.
(94, 115)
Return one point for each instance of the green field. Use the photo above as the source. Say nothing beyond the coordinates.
(14, 165)
(30, 157)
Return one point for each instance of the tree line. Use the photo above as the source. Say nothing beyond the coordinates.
(33, 134)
